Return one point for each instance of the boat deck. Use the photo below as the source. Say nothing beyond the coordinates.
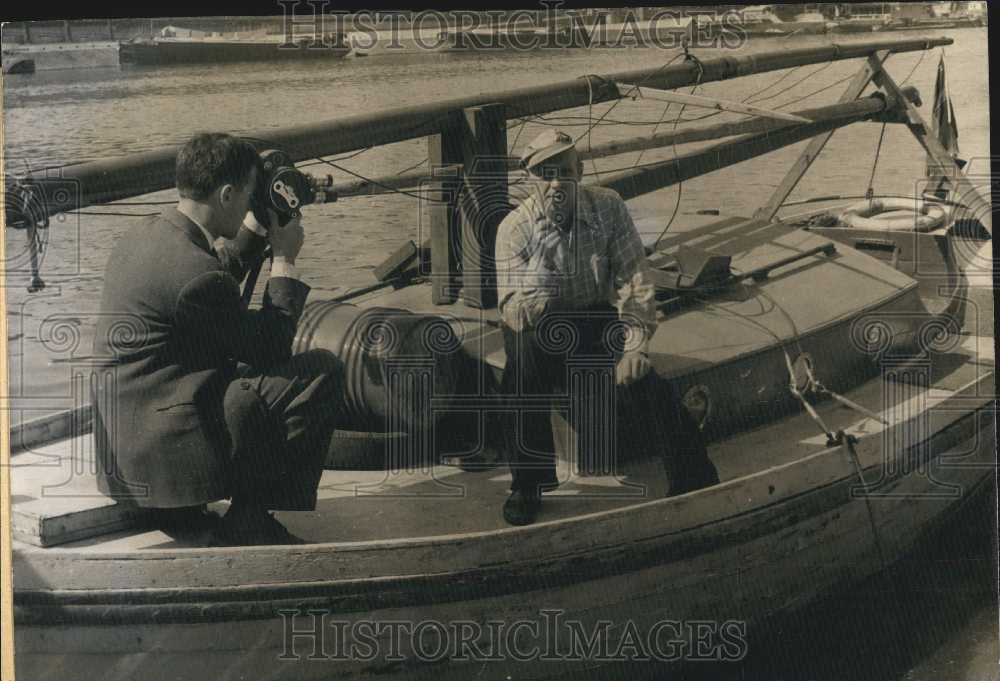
(721, 327)
(54, 493)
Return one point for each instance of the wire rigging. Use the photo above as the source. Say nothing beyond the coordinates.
(790, 87)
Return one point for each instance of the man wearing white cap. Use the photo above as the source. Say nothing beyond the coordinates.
(569, 260)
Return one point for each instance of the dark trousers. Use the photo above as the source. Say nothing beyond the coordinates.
(280, 421)
(651, 418)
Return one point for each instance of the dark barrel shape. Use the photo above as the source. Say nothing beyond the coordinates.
(402, 370)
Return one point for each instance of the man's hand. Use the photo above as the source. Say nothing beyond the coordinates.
(631, 367)
(286, 242)
(542, 259)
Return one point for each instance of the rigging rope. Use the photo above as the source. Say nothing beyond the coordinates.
(772, 84)
(812, 384)
(870, 193)
(680, 183)
(524, 123)
(339, 158)
(618, 101)
(393, 190)
(923, 53)
(790, 87)
(847, 442)
(358, 175)
(590, 129)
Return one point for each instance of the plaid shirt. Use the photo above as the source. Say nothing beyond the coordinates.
(600, 260)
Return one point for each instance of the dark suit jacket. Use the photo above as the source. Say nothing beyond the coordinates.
(172, 328)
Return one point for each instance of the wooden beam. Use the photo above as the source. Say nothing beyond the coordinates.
(640, 181)
(767, 212)
(965, 192)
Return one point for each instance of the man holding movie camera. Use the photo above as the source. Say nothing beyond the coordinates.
(207, 401)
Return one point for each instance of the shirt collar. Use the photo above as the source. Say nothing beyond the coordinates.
(208, 236)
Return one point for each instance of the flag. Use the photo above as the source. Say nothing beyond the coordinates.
(945, 129)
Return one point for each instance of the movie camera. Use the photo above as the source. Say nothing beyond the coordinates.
(285, 189)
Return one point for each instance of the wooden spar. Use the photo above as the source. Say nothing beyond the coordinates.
(965, 191)
(137, 174)
(859, 110)
(639, 181)
(872, 65)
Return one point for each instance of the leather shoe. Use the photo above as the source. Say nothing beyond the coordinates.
(521, 507)
(259, 529)
(189, 519)
(705, 476)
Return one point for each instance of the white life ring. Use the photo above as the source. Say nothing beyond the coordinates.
(901, 215)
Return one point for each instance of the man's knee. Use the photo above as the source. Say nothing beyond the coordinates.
(323, 376)
(319, 363)
(245, 415)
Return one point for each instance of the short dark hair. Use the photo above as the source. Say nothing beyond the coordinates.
(212, 159)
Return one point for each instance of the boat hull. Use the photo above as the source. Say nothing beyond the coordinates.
(59, 56)
(738, 553)
(14, 66)
(860, 26)
(784, 28)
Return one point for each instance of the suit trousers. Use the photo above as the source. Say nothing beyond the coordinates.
(280, 421)
(651, 419)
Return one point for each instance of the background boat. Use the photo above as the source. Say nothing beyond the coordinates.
(59, 56)
(220, 49)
